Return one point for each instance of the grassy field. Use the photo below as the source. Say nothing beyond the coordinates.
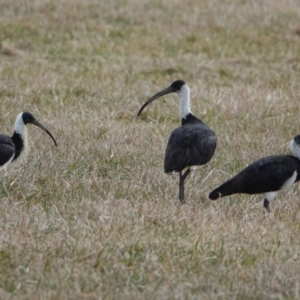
(96, 217)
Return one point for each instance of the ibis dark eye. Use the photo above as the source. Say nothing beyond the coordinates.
(297, 139)
(177, 85)
(27, 117)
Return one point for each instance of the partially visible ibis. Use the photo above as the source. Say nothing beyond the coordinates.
(14, 148)
(192, 144)
(266, 176)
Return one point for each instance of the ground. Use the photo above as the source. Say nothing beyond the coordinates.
(96, 217)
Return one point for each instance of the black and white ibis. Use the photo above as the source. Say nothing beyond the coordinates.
(14, 148)
(266, 176)
(192, 144)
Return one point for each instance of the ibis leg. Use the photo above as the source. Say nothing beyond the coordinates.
(181, 184)
(266, 205)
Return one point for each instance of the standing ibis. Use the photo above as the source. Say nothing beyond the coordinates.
(266, 176)
(14, 148)
(191, 144)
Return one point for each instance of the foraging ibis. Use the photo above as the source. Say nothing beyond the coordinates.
(14, 148)
(266, 176)
(192, 144)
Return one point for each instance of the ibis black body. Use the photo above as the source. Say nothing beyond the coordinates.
(266, 176)
(14, 147)
(191, 144)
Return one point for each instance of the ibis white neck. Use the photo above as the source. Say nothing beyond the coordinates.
(20, 126)
(295, 148)
(184, 96)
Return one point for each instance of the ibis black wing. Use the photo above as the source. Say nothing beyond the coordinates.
(7, 150)
(268, 174)
(189, 145)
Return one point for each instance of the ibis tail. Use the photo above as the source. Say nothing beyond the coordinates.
(226, 189)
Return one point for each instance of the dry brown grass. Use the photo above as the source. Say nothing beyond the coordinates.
(96, 218)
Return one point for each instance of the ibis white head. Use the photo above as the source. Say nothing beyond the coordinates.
(183, 91)
(295, 146)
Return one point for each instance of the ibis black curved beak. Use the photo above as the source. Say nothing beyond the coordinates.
(38, 124)
(166, 91)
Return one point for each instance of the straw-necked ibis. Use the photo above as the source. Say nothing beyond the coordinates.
(14, 148)
(266, 176)
(192, 144)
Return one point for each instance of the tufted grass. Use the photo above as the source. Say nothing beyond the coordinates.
(96, 217)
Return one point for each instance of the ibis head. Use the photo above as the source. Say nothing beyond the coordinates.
(175, 87)
(295, 146)
(297, 140)
(28, 118)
